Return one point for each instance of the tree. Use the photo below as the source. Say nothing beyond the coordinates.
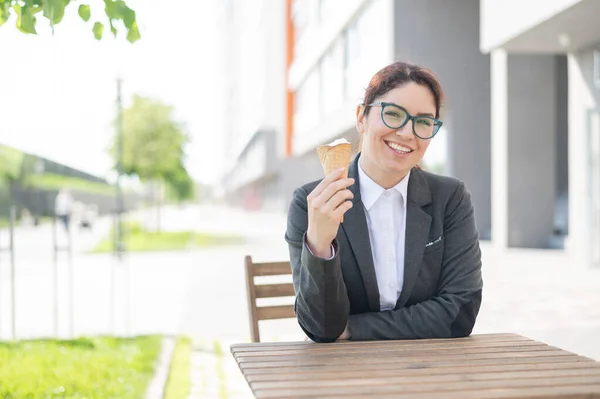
(153, 146)
(10, 163)
(54, 10)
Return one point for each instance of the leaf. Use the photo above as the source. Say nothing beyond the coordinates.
(4, 12)
(25, 20)
(84, 12)
(98, 29)
(113, 29)
(54, 10)
(134, 34)
(128, 16)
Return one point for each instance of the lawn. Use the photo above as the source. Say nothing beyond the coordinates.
(138, 239)
(178, 384)
(100, 367)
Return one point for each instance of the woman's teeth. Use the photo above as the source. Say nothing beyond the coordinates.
(399, 148)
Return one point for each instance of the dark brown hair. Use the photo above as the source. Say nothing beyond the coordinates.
(398, 74)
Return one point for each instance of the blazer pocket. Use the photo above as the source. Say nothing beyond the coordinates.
(434, 245)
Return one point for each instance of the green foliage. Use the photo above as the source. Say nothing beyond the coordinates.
(10, 163)
(153, 146)
(98, 29)
(54, 10)
(83, 368)
(51, 181)
(178, 384)
(84, 12)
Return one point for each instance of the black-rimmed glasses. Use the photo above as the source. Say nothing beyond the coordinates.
(396, 117)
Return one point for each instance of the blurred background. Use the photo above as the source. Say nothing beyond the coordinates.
(137, 170)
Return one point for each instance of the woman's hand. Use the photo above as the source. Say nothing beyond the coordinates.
(326, 205)
(345, 335)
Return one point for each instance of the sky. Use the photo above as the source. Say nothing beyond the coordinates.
(58, 92)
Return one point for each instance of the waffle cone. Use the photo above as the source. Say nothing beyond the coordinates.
(334, 157)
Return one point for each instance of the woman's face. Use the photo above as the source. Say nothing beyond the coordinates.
(388, 155)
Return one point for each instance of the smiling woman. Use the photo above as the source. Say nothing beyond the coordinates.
(406, 263)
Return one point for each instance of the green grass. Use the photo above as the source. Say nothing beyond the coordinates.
(220, 370)
(51, 181)
(138, 239)
(179, 384)
(100, 367)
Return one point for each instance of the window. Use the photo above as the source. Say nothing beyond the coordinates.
(332, 72)
(368, 48)
(300, 17)
(327, 8)
(351, 61)
(307, 103)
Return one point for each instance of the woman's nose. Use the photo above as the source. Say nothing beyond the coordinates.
(406, 131)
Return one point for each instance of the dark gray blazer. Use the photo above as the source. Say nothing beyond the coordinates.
(442, 287)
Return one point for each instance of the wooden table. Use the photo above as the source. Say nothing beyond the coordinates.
(481, 366)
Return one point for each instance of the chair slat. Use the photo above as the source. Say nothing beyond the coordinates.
(272, 269)
(275, 312)
(274, 290)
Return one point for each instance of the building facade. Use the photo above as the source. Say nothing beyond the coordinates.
(521, 112)
(340, 44)
(545, 66)
(252, 42)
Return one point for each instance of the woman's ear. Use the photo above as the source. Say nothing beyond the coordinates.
(360, 119)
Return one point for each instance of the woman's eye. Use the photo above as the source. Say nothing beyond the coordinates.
(425, 122)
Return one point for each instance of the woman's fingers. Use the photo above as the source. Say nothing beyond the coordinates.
(336, 200)
(343, 208)
(335, 187)
(318, 201)
(331, 177)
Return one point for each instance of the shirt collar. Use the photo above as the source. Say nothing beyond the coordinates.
(371, 191)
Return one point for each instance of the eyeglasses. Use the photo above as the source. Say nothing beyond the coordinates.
(396, 117)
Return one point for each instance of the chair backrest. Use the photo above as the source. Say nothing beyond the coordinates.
(257, 291)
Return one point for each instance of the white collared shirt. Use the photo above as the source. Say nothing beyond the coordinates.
(385, 211)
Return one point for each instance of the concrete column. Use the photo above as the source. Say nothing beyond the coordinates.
(583, 96)
(524, 149)
(499, 154)
(450, 47)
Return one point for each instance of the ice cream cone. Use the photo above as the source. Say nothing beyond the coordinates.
(335, 155)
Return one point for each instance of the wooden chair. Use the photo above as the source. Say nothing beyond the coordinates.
(256, 291)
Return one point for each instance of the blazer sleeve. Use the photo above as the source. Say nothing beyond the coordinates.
(452, 312)
(322, 304)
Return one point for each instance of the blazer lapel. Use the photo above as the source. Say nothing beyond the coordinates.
(418, 223)
(357, 231)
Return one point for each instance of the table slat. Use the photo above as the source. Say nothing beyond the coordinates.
(488, 366)
(290, 376)
(422, 364)
(432, 388)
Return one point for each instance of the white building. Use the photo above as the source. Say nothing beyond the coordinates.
(521, 114)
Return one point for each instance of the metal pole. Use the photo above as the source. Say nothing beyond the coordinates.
(118, 245)
(55, 276)
(71, 284)
(12, 271)
(1, 250)
(113, 290)
(119, 171)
